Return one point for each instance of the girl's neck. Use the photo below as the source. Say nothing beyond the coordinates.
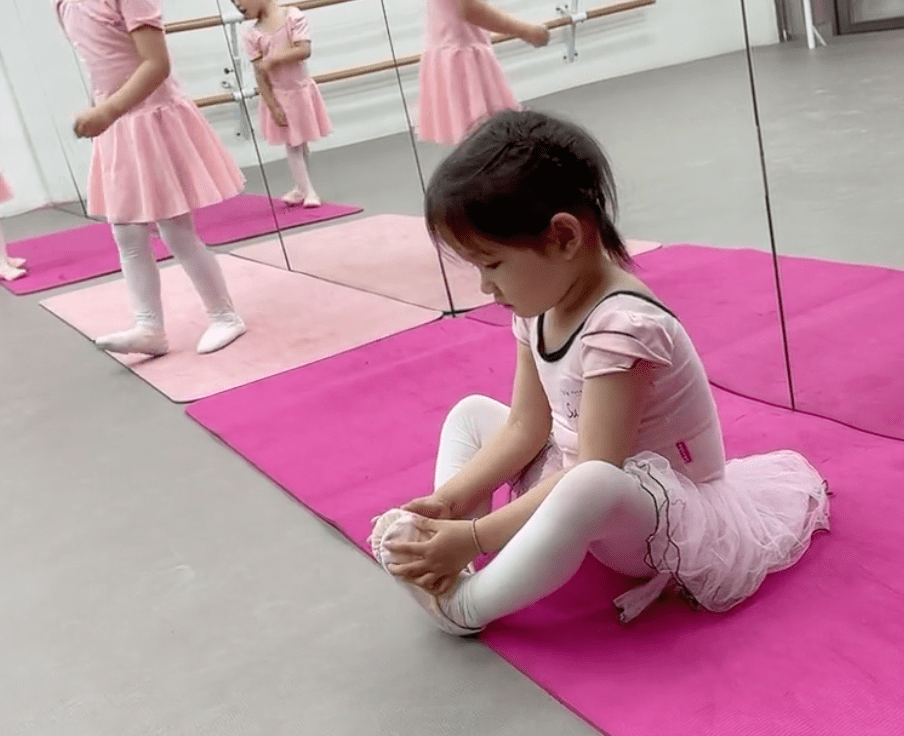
(270, 12)
(596, 277)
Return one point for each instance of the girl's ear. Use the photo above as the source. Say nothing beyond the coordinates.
(565, 235)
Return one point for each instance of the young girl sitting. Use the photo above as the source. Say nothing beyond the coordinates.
(10, 268)
(154, 159)
(292, 112)
(612, 444)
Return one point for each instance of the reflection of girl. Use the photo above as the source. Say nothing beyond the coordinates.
(461, 80)
(612, 443)
(10, 268)
(155, 159)
(292, 112)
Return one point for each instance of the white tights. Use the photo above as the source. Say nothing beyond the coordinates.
(297, 158)
(139, 268)
(595, 507)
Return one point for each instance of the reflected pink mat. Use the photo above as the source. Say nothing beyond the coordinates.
(384, 254)
(249, 215)
(68, 257)
(292, 320)
(816, 651)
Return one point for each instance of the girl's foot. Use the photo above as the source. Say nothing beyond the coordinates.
(11, 270)
(221, 332)
(294, 197)
(397, 526)
(140, 339)
(312, 200)
(16, 262)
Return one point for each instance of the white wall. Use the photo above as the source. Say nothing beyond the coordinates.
(49, 86)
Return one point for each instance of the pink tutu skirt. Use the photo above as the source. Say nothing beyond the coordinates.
(459, 87)
(305, 114)
(716, 542)
(6, 192)
(159, 162)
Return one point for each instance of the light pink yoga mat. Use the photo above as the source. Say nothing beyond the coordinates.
(292, 320)
(249, 215)
(384, 254)
(816, 651)
(68, 257)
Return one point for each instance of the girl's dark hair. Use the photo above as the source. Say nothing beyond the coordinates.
(513, 173)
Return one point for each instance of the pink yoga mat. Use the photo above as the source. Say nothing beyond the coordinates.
(816, 651)
(383, 254)
(292, 320)
(68, 257)
(249, 215)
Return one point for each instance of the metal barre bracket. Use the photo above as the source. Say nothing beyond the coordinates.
(574, 17)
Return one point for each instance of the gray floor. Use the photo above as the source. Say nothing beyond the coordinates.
(157, 584)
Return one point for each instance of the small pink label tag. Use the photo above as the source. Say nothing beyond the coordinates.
(685, 453)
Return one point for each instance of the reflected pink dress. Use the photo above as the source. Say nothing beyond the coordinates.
(461, 80)
(162, 158)
(293, 87)
(6, 192)
(722, 527)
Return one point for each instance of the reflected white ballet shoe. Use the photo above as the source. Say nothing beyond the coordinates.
(221, 332)
(139, 339)
(398, 526)
(10, 271)
(293, 197)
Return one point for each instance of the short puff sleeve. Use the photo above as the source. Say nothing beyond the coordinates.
(251, 42)
(615, 340)
(137, 13)
(521, 330)
(299, 28)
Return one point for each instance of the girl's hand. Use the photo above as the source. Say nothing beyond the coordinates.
(537, 35)
(279, 116)
(266, 65)
(91, 123)
(432, 507)
(436, 563)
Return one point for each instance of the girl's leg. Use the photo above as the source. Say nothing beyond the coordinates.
(139, 269)
(304, 190)
(10, 268)
(204, 271)
(596, 504)
(469, 425)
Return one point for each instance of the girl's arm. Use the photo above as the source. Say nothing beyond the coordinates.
(611, 408)
(510, 450)
(265, 89)
(299, 51)
(498, 21)
(150, 74)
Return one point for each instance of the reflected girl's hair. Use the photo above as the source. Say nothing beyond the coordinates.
(512, 174)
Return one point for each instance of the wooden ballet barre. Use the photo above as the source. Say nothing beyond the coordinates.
(381, 66)
(212, 21)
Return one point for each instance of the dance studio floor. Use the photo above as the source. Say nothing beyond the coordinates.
(122, 515)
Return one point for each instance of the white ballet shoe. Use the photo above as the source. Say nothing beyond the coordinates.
(139, 339)
(16, 262)
(398, 526)
(312, 200)
(11, 271)
(221, 332)
(293, 197)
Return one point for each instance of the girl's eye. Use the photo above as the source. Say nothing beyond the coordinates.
(493, 266)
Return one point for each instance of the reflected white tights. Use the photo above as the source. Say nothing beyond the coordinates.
(142, 278)
(304, 190)
(595, 506)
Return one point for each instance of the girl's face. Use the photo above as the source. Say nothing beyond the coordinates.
(527, 281)
(251, 9)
